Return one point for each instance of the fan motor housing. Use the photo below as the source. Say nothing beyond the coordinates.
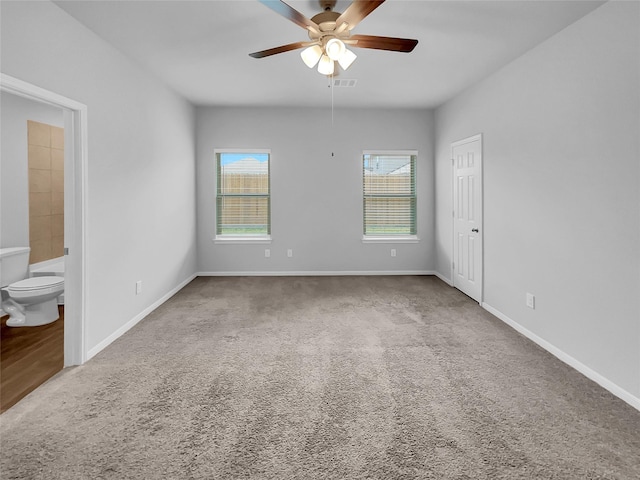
(326, 20)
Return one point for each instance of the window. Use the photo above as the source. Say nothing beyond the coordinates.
(243, 208)
(389, 180)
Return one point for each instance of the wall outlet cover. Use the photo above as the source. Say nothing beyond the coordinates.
(531, 301)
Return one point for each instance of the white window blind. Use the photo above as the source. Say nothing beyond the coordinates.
(243, 204)
(389, 181)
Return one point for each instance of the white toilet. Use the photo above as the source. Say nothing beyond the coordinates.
(30, 302)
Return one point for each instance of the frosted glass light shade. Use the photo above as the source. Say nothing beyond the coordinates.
(326, 65)
(311, 55)
(347, 59)
(335, 48)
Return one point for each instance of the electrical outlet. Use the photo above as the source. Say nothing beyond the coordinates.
(290, 252)
(138, 287)
(393, 252)
(531, 301)
(267, 253)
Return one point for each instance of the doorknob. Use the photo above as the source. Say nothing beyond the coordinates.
(474, 230)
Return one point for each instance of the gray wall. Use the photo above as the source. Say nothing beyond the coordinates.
(14, 165)
(316, 198)
(561, 191)
(141, 166)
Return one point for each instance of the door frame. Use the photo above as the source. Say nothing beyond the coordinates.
(457, 143)
(75, 164)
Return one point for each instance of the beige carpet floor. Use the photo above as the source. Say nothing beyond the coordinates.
(320, 378)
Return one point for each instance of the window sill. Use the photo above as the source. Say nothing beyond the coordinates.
(242, 240)
(390, 239)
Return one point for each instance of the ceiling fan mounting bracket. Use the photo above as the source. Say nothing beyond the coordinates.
(327, 5)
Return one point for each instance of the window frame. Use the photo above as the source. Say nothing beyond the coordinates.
(241, 238)
(391, 238)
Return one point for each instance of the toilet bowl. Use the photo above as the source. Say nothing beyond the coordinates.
(33, 302)
(30, 302)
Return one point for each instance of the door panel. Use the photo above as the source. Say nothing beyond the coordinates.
(467, 224)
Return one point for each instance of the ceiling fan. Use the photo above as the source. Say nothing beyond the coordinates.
(330, 33)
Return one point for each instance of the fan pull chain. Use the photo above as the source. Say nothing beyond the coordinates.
(332, 85)
(330, 79)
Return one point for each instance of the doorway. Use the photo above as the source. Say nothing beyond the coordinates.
(75, 171)
(467, 267)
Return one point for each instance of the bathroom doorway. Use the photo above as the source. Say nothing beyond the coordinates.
(75, 170)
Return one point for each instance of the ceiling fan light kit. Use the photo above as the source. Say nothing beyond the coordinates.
(329, 31)
(326, 66)
(311, 55)
(347, 59)
(335, 48)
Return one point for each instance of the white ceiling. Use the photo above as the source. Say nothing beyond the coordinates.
(200, 48)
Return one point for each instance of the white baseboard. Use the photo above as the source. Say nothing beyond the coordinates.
(131, 323)
(443, 278)
(568, 359)
(314, 273)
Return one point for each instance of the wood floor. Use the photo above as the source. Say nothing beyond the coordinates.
(29, 356)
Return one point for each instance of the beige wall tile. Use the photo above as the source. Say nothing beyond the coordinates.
(40, 204)
(57, 247)
(57, 225)
(46, 191)
(39, 180)
(39, 157)
(57, 159)
(40, 229)
(57, 181)
(38, 133)
(57, 137)
(57, 203)
(40, 251)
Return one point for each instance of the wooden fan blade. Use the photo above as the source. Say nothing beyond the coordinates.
(280, 49)
(384, 43)
(289, 13)
(357, 11)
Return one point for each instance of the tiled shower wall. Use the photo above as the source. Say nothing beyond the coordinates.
(46, 191)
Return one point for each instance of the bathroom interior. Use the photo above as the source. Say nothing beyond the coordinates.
(31, 246)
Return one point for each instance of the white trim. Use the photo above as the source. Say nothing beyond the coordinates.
(605, 383)
(316, 273)
(240, 240)
(467, 140)
(390, 239)
(241, 150)
(390, 152)
(27, 90)
(443, 278)
(135, 320)
(75, 121)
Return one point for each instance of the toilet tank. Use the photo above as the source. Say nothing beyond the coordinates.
(14, 264)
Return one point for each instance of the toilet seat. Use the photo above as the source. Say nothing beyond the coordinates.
(41, 285)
